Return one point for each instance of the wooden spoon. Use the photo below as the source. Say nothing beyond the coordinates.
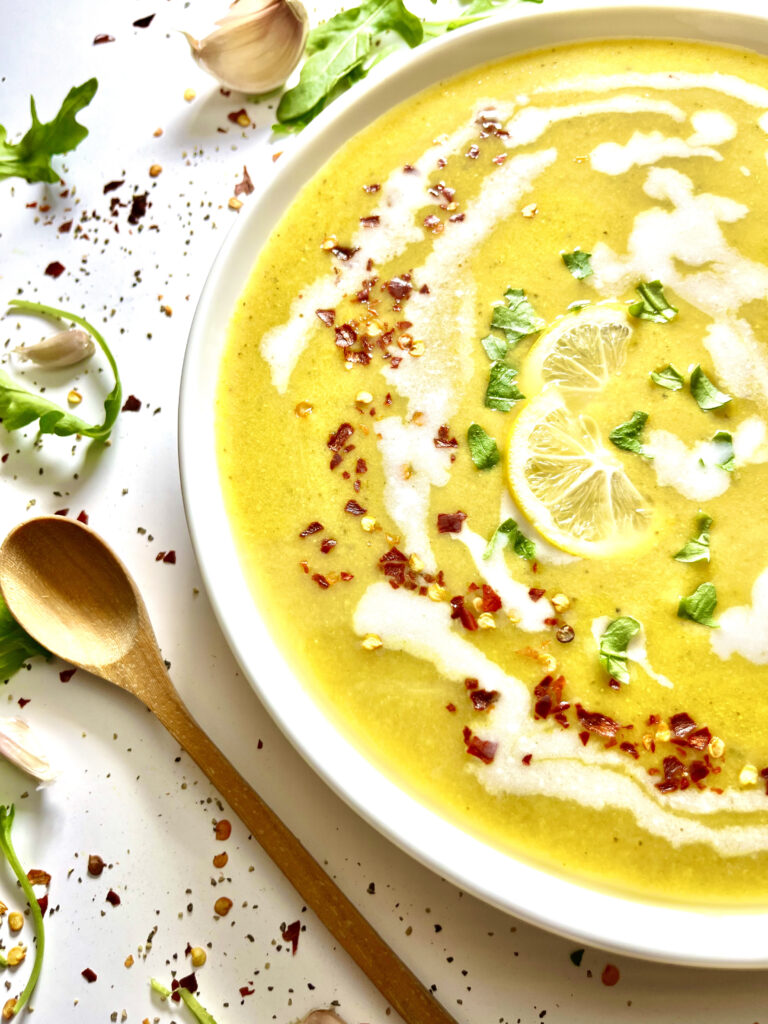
(69, 590)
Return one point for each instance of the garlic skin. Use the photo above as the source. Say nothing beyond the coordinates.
(64, 348)
(22, 747)
(256, 46)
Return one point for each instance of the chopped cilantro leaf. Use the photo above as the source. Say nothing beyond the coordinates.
(704, 391)
(495, 348)
(510, 533)
(482, 448)
(627, 435)
(699, 605)
(516, 316)
(668, 377)
(725, 457)
(652, 304)
(697, 550)
(613, 647)
(578, 263)
(502, 391)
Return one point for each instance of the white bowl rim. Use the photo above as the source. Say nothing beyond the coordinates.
(676, 933)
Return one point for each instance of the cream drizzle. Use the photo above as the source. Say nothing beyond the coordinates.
(743, 629)
(728, 85)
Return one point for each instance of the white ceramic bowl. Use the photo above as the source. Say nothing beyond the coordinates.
(672, 933)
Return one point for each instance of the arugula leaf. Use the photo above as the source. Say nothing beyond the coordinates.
(502, 391)
(613, 645)
(578, 263)
(19, 407)
(474, 11)
(697, 550)
(516, 316)
(7, 814)
(30, 158)
(699, 605)
(16, 646)
(495, 348)
(510, 533)
(482, 447)
(704, 391)
(652, 304)
(627, 435)
(725, 458)
(668, 377)
(197, 1010)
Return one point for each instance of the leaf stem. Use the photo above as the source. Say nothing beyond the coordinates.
(6, 822)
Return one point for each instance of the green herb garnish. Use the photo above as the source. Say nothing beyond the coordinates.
(704, 391)
(697, 550)
(510, 533)
(725, 457)
(699, 605)
(502, 391)
(19, 407)
(627, 435)
(16, 646)
(199, 1012)
(578, 263)
(668, 377)
(482, 447)
(652, 304)
(613, 647)
(6, 847)
(30, 158)
(495, 348)
(516, 316)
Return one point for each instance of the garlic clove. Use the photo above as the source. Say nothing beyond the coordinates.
(322, 1017)
(22, 747)
(255, 47)
(64, 348)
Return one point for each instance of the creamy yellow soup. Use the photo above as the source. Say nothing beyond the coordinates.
(571, 692)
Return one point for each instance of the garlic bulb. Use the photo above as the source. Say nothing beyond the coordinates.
(322, 1017)
(256, 46)
(23, 748)
(62, 349)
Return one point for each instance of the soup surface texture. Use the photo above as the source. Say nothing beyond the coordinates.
(517, 547)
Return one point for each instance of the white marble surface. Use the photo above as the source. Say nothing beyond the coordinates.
(125, 791)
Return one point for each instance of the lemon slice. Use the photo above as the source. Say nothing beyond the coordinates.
(580, 352)
(569, 486)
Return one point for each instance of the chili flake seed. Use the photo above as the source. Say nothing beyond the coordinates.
(436, 593)
(530, 210)
(371, 642)
(416, 563)
(16, 955)
(560, 602)
(222, 906)
(417, 349)
(220, 860)
(513, 615)
(198, 955)
(234, 203)
(364, 397)
(15, 921)
(155, 170)
(189, 95)
(486, 621)
(74, 397)
(223, 829)
(243, 120)
(9, 1008)
(663, 735)
(329, 243)
(129, 961)
(303, 409)
(368, 523)
(748, 775)
(716, 747)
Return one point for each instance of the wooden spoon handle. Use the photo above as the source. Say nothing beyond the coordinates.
(399, 986)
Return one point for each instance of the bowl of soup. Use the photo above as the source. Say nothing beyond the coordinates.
(474, 453)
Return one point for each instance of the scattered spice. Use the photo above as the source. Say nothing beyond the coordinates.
(55, 269)
(290, 934)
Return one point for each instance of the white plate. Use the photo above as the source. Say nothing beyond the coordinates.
(679, 934)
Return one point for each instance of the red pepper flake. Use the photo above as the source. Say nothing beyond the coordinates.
(485, 750)
(337, 441)
(548, 695)
(457, 218)
(82, 517)
(610, 975)
(699, 739)
(596, 722)
(290, 934)
(698, 771)
(471, 684)
(394, 565)
(138, 208)
(361, 467)
(42, 902)
(170, 558)
(245, 991)
(565, 634)
(233, 115)
(465, 616)
(354, 509)
(89, 975)
(526, 759)
(189, 983)
(326, 315)
(491, 602)
(304, 566)
(444, 439)
(654, 719)
(113, 898)
(312, 528)
(4, 457)
(409, 169)
(23, 701)
(336, 461)
(131, 404)
(144, 22)
(675, 776)
(400, 287)
(370, 222)
(450, 522)
(536, 593)
(65, 227)
(584, 737)
(346, 576)
(112, 185)
(450, 707)
(681, 725)
(66, 674)
(321, 581)
(483, 699)
(631, 749)
(371, 188)
(55, 269)
(433, 223)
(328, 545)
(246, 186)
(102, 37)
(344, 252)
(473, 152)
(500, 159)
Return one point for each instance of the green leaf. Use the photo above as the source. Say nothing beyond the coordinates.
(699, 605)
(482, 448)
(576, 957)
(19, 407)
(502, 391)
(495, 348)
(16, 646)
(697, 550)
(30, 158)
(704, 391)
(516, 316)
(340, 52)
(652, 304)
(725, 457)
(510, 533)
(474, 11)
(668, 377)
(6, 848)
(613, 647)
(578, 263)
(627, 435)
